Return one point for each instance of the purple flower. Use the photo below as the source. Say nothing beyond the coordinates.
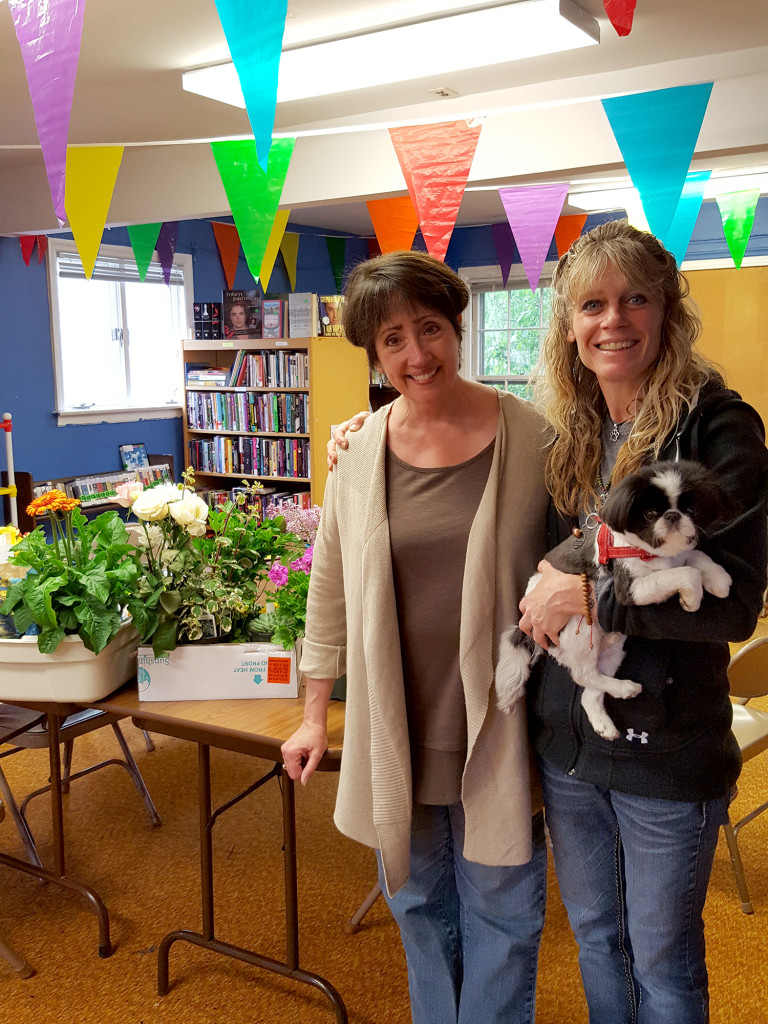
(278, 574)
(303, 564)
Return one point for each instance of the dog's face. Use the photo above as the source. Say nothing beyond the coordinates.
(665, 506)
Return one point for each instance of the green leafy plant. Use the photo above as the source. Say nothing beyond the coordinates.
(286, 619)
(80, 582)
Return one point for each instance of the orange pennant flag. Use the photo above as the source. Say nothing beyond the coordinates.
(228, 241)
(435, 160)
(395, 222)
(568, 230)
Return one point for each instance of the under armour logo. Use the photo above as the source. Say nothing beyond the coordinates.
(632, 735)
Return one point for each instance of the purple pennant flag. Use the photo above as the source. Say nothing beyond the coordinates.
(505, 249)
(255, 41)
(49, 33)
(532, 212)
(166, 247)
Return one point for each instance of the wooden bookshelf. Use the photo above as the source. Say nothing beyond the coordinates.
(337, 387)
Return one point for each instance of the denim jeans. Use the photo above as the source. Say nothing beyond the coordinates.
(633, 874)
(471, 933)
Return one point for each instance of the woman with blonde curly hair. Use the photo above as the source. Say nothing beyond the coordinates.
(634, 821)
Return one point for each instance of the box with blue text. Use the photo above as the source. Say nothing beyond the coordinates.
(217, 672)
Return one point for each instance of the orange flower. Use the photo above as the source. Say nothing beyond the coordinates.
(52, 501)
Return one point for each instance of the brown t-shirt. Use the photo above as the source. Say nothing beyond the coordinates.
(430, 515)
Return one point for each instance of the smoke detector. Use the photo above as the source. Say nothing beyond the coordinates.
(443, 92)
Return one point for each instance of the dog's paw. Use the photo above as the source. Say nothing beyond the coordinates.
(624, 689)
(716, 581)
(606, 729)
(690, 598)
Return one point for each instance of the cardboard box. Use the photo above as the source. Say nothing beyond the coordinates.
(217, 672)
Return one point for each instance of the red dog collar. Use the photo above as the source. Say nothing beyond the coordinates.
(606, 549)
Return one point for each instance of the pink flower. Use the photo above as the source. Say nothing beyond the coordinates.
(303, 564)
(128, 492)
(278, 574)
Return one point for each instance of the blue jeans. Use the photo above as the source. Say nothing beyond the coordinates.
(471, 933)
(633, 873)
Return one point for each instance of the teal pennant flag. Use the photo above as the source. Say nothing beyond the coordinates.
(657, 133)
(254, 34)
(679, 235)
(253, 195)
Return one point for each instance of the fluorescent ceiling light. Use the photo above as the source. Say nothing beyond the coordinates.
(457, 42)
(624, 196)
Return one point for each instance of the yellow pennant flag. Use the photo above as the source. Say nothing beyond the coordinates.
(289, 247)
(273, 247)
(90, 182)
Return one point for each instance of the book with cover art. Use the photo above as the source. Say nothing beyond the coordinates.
(302, 315)
(272, 318)
(331, 308)
(134, 456)
(241, 314)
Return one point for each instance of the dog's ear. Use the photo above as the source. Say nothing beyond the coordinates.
(618, 505)
(714, 505)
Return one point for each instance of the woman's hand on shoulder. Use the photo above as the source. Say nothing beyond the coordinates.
(338, 438)
(548, 606)
(303, 750)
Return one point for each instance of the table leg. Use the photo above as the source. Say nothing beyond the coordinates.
(289, 969)
(59, 876)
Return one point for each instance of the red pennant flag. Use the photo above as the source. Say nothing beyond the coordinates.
(395, 222)
(42, 247)
(228, 241)
(27, 245)
(568, 230)
(436, 160)
(374, 249)
(620, 13)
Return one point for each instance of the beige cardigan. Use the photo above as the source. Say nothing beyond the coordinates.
(352, 627)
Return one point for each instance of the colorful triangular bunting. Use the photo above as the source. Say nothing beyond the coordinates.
(436, 160)
(255, 43)
(253, 195)
(679, 235)
(532, 212)
(27, 245)
(289, 248)
(505, 248)
(91, 176)
(228, 242)
(42, 247)
(167, 241)
(143, 241)
(395, 222)
(49, 35)
(737, 211)
(337, 251)
(620, 14)
(273, 247)
(567, 230)
(656, 133)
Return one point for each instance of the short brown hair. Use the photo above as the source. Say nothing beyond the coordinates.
(383, 285)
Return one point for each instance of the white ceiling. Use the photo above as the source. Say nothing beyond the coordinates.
(543, 118)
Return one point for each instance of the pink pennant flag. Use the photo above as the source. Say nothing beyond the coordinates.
(533, 212)
(27, 245)
(436, 160)
(49, 33)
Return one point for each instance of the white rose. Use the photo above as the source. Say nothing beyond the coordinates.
(151, 505)
(191, 512)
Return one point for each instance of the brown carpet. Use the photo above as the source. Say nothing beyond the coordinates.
(148, 879)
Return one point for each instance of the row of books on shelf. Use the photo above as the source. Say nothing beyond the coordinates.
(246, 314)
(249, 411)
(267, 369)
(251, 456)
(101, 488)
(269, 496)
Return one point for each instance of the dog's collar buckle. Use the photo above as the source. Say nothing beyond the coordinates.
(606, 550)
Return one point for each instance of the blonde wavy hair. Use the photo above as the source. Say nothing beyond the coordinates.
(568, 393)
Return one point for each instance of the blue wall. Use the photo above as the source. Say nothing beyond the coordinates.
(26, 372)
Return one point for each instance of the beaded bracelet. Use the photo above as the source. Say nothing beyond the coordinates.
(588, 600)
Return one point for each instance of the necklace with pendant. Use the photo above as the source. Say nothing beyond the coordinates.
(614, 434)
(602, 490)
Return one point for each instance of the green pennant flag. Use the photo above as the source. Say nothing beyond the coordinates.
(143, 241)
(253, 195)
(737, 212)
(337, 250)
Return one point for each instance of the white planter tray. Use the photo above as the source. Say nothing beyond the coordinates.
(71, 673)
(217, 672)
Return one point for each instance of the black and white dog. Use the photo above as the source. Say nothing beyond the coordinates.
(648, 530)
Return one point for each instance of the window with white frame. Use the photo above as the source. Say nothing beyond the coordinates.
(116, 339)
(506, 326)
